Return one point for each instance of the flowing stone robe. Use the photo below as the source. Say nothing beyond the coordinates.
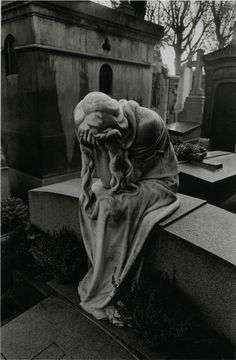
(118, 225)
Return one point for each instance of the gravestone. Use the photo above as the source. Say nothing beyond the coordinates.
(184, 87)
(219, 120)
(193, 107)
(190, 116)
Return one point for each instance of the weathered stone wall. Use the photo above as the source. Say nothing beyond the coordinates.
(219, 118)
(59, 50)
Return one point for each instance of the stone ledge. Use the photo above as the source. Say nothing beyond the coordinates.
(48, 204)
(204, 225)
(209, 228)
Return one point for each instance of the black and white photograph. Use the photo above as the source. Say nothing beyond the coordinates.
(118, 180)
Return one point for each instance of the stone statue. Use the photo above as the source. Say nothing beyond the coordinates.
(128, 148)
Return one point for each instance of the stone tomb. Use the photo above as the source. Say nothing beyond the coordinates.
(214, 183)
(219, 119)
(197, 241)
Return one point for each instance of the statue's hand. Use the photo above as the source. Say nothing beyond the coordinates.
(86, 137)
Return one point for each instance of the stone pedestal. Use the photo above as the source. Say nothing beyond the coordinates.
(193, 109)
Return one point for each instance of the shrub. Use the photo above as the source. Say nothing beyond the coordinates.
(13, 214)
(188, 151)
(167, 321)
(155, 309)
(60, 253)
(16, 251)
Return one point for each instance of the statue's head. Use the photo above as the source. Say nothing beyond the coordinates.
(100, 119)
(130, 136)
(104, 125)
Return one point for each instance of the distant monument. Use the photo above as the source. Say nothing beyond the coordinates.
(184, 87)
(219, 120)
(137, 172)
(194, 102)
(189, 102)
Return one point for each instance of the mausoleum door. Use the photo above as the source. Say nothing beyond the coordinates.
(223, 125)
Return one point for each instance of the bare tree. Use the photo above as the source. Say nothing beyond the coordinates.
(221, 29)
(184, 29)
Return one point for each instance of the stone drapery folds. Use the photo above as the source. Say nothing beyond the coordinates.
(129, 148)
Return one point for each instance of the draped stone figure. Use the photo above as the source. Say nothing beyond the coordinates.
(128, 148)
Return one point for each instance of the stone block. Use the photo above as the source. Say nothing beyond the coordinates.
(200, 249)
(55, 206)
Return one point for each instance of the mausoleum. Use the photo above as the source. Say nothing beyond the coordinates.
(54, 53)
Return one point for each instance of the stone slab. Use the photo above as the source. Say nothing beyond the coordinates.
(213, 185)
(124, 335)
(182, 128)
(187, 205)
(209, 228)
(54, 330)
(228, 170)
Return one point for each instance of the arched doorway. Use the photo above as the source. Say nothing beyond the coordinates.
(105, 79)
